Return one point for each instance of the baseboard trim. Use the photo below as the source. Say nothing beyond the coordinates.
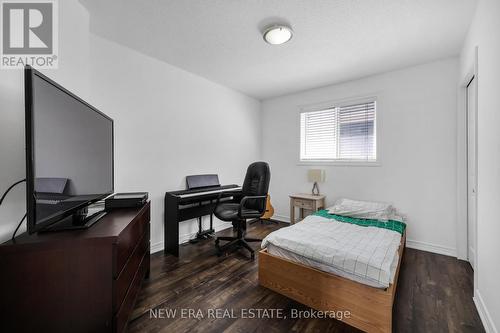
(281, 218)
(156, 247)
(184, 238)
(417, 245)
(428, 247)
(489, 325)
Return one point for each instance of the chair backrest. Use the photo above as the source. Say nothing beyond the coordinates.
(256, 183)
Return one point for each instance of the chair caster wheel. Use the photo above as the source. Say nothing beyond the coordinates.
(252, 256)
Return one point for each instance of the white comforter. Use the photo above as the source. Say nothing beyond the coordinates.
(364, 252)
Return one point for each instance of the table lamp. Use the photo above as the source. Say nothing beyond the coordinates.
(316, 176)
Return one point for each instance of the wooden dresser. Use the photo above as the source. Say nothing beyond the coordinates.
(75, 281)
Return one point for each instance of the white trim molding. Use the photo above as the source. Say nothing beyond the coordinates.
(157, 247)
(489, 325)
(184, 238)
(281, 218)
(434, 248)
(413, 244)
(348, 163)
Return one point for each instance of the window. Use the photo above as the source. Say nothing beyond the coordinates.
(339, 133)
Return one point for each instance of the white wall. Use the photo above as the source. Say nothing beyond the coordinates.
(153, 103)
(168, 124)
(484, 34)
(417, 149)
(72, 73)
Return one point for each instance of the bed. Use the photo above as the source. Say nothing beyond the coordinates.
(332, 263)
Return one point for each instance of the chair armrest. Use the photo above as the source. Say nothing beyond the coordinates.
(231, 193)
(250, 197)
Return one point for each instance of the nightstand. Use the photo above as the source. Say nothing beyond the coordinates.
(307, 202)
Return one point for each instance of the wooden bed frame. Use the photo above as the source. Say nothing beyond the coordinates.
(370, 308)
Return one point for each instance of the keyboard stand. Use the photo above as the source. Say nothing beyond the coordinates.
(203, 234)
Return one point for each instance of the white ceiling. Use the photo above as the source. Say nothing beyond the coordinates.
(334, 41)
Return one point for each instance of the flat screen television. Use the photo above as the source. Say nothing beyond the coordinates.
(69, 156)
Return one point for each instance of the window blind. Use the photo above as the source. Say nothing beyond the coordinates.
(339, 133)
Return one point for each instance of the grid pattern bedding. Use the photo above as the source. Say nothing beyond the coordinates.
(282, 253)
(360, 253)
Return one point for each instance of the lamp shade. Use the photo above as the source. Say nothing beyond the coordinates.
(316, 175)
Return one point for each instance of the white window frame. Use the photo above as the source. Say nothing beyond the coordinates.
(340, 103)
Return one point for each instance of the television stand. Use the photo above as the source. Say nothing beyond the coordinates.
(76, 281)
(74, 223)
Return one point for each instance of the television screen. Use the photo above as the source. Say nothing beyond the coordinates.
(69, 153)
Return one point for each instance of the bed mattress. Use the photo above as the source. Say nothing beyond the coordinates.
(367, 255)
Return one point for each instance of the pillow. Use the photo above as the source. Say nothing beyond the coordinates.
(362, 209)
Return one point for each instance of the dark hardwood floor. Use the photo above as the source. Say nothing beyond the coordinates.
(434, 294)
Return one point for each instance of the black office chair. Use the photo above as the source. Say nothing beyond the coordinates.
(252, 204)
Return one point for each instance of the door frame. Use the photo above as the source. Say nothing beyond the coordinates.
(462, 156)
(471, 159)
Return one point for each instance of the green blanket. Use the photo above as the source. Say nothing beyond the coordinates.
(390, 225)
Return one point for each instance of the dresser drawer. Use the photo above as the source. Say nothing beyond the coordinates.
(129, 238)
(121, 317)
(306, 204)
(124, 280)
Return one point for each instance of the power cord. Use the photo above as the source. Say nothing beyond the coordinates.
(18, 226)
(10, 188)
(2, 199)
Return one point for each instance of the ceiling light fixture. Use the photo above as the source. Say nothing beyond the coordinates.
(278, 34)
